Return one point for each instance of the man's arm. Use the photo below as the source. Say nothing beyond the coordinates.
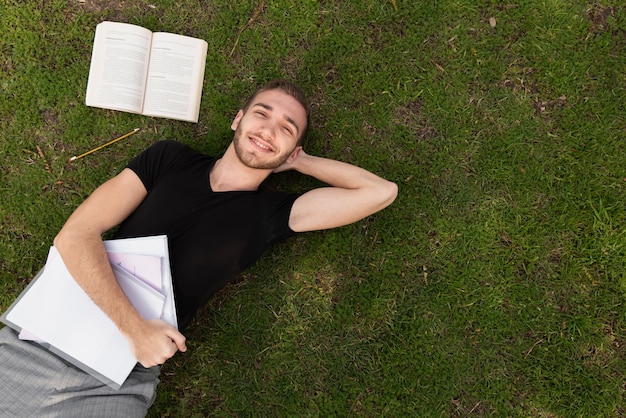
(354, 194)
(80, 244)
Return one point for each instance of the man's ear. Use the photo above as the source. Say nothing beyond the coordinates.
(294, 154)
(237, 119)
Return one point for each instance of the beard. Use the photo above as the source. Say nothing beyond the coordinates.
(252, 161)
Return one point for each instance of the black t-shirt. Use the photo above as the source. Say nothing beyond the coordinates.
(213, 236)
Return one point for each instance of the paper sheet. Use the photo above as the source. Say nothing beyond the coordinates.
(55, 309)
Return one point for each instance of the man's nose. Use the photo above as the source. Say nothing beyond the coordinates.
(268, 129)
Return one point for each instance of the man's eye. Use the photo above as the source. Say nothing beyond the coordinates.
(288, 130)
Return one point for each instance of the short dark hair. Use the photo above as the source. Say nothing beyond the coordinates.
(291, 89)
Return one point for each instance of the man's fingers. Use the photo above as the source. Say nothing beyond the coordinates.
(161, 357)
(158, 343)
(179, 340)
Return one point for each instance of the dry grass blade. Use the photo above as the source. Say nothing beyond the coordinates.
(254, 16)
(43, 157)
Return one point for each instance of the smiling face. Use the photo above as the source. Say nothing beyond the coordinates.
(267, 133)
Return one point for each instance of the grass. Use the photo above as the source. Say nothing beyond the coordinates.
(495, 284)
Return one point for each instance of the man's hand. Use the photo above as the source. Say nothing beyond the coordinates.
(155, 341)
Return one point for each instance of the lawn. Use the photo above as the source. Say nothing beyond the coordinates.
(493, 286)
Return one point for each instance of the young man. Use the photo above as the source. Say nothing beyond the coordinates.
(217, 224)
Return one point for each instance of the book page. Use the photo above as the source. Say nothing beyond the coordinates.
(175, 77)
(119, 64)
(147, 301)
(144, 267)
(151, 246)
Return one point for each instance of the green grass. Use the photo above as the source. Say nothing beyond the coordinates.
(493, 286)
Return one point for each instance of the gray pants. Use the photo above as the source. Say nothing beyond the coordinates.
(36, 383)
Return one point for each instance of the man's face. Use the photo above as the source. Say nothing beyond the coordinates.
(267, 133)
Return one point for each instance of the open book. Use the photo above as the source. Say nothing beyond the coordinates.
(154, 74)
(55, 312)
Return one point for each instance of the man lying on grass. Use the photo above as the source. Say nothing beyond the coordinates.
(217, 224)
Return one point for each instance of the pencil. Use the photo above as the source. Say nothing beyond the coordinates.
(105, 145)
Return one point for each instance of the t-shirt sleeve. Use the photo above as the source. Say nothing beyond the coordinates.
(278, 219)
(156, 159)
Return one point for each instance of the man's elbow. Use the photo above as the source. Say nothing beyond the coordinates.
(61, 239)
(389, 193)
(67, 237)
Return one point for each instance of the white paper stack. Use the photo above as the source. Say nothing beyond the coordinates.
(54, 310)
